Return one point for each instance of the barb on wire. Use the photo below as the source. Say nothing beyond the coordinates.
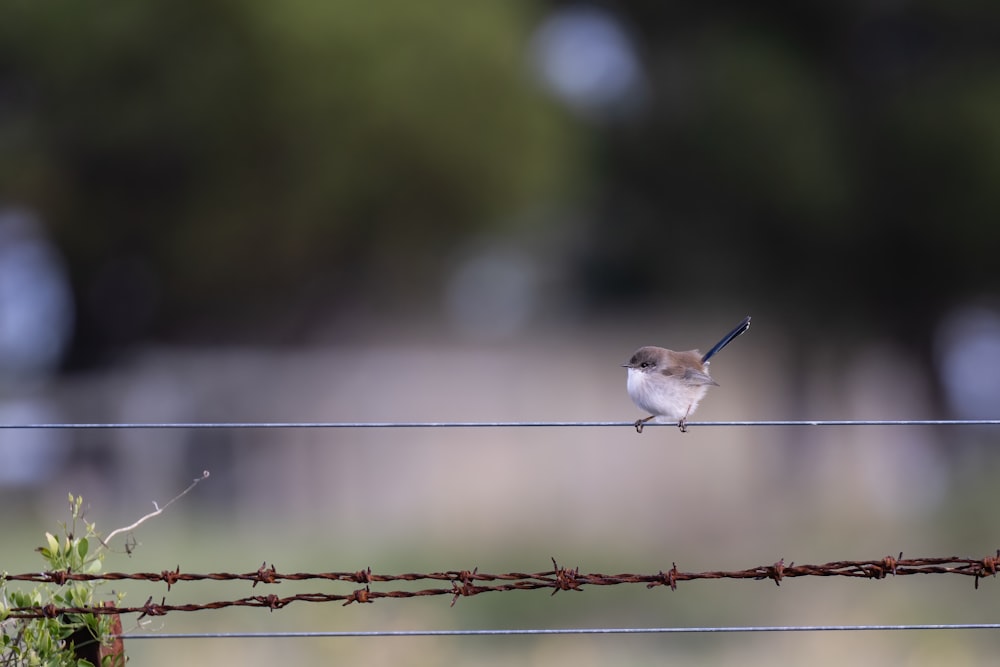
(502, 424)
(466, 583)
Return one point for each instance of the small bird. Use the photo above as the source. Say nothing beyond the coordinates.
(670, 384)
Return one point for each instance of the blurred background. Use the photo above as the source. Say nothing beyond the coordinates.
(434, 211)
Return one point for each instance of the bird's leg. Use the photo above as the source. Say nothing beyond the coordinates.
(640, 422)
(683, 423)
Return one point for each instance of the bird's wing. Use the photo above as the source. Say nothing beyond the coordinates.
(689, 376)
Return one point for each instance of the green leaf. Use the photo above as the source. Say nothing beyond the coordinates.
(81, 547)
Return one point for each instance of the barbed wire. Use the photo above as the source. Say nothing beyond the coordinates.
(498, 424)
(466, 583)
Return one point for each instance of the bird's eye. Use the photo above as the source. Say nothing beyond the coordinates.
(644, 364)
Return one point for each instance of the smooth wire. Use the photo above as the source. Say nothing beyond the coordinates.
(562, 631)
(509, 424)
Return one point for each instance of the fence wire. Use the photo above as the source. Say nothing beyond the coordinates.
(500, 424)
(466, 583)
(520, 632)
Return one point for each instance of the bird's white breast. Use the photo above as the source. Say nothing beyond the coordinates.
(663, 395)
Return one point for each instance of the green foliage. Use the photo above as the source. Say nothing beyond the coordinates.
(769, 127)
(258, 145)
(46, 641)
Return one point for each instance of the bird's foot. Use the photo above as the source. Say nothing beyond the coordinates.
(640, 423)
(683, 423)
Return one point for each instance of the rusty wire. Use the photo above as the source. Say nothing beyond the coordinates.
(466, 583)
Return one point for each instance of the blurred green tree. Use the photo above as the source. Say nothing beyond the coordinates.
(223, 152)
(835, 164)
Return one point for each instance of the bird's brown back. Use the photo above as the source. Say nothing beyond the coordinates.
(687, 366)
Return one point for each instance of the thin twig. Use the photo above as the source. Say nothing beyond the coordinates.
(157, 512)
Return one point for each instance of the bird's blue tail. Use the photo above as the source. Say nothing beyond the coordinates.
(727, 339)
